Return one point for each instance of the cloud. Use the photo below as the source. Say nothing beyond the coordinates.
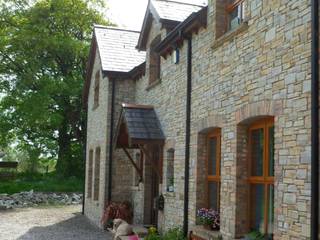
(127, 13)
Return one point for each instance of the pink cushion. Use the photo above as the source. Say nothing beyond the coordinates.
(133, 237)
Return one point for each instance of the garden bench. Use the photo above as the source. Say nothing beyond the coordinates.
(6, 175)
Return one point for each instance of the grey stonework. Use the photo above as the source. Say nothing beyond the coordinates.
(262, 70)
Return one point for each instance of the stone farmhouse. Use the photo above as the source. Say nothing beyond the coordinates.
(208, 106)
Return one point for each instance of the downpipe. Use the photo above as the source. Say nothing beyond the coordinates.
(113, 82)
(314, 120)
(187, 140)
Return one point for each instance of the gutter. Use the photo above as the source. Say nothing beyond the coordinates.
(187, 143)
(113, 82)
(175, 38)
(314, 120)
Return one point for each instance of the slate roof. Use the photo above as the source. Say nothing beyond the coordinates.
(142, 123)
(176, 10)
(117, 49)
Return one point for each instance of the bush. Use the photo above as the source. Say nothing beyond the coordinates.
(41, 183)
(172, 234)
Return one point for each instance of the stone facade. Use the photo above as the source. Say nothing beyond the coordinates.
(260, 69)
(97, 137)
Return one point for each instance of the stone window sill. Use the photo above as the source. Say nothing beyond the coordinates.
(203, 233)
(228, 36)
(152, 85)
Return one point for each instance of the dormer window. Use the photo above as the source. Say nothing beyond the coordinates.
(154, 61)
(235, 12)
(96, 90)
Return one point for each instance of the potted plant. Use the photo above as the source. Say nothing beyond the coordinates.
(209, 218)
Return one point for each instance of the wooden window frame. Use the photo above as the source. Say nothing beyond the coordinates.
(96, 90)
(97, 171)
(230, 8)
(154, 62)
(90, 174)
(265, 179)
(170, 156)
(214, 178)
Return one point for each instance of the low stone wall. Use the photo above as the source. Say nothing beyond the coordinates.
(31, 198)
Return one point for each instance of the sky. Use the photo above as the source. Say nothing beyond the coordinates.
(127, 13)
(130, 13)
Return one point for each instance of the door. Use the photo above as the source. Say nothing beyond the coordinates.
(155, 185)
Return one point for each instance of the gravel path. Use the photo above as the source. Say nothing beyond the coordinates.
(49, 223)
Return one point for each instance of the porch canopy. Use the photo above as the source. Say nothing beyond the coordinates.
(139, 128)
(138, 125)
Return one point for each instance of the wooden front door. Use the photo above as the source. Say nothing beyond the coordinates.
(155, 185)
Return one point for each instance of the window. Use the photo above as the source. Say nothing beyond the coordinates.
(261, 175)
(90, 173)
(170, 170)
(176, 56)
(236, 13)
(97, 174)
(213, 168)
(96, 90)
(229, 15)
(154, 61)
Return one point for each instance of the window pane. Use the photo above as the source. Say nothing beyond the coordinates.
(257, 207)
(257, 140)
(213, 191)
(236, 17)
(212, 159)
(270, 210)
(170, 170)
(271, 151)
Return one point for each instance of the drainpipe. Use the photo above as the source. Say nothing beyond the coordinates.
(315, 120)
(84, 162)
(187, 143)
(113, 82)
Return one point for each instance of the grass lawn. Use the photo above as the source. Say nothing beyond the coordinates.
(41, 183)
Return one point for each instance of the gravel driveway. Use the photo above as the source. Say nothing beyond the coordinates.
(49, 223)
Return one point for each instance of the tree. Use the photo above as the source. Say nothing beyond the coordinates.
(44, 47)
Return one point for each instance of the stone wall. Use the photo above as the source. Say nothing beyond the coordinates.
(97, 137)
(262, 69)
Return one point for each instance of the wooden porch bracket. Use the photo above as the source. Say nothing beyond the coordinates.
(133, 163)
(155, 168)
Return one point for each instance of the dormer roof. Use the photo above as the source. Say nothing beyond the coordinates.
(169, 13)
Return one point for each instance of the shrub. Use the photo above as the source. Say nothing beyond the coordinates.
(172, 234)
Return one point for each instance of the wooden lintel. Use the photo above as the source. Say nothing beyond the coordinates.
(133, 163)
